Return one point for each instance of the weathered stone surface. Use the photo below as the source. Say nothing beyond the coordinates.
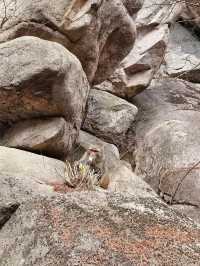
(86, 141)
(168, 141)
(191, 15)
(109, 117)
(155, 12)
(122, 179)
(46, 136)
(41, 79)
(139, 67)
(99, 33)
(145, 59)
(191, 211)
(133, 6)
(182, 57)
(98, 229)
(24, 164)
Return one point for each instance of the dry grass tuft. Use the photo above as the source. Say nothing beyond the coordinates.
(80, 176)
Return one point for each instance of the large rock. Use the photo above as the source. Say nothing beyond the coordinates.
(182, 57)
(41, 79)
(139, 67)
(168, 144)
(109, 117)
(48, 136)
(41, 169)
(99, 33)
(191, 16)
(122, 179)
(98, 229)
(47, 228)
(156, 12)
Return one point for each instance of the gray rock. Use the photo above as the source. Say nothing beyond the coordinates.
(95, 228)
(168, 142)
(99, 33)
(109, 117)
(122, 179)
(41, 79)
(182, 57)
(156, 12)
(191, 211)
(48, 136)
(24, 164)
(139, 67)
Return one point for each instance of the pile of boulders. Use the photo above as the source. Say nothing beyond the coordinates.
(121, 76)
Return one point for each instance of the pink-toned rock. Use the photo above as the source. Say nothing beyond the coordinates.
(139, 67)
(41, 79)
(167, 140)
(99, 33)
(51, 136)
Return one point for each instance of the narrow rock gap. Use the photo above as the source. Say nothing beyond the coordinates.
(6, 211)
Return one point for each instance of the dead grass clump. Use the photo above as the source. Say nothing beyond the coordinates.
(78, 177)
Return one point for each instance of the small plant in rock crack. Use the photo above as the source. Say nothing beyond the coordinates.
(80, 176)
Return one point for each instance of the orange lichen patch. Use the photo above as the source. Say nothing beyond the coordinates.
(62, 188)
(157, 241)
(102, 231)
(171, 234)
(56, 216)
(41, 104)
(64, 233)
(130, 249)
(94, 259)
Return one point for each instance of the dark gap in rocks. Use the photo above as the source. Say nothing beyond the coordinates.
(192, 28)
(6, 211)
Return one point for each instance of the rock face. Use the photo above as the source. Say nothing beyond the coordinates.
(114, 216)
(122, 179)
(156, 12)
(48, 136)
(41, 79)
(21, 164)
(167, 140)
(183, 55)
(108, 117)
(140, 66)
(99, 33)
(111, 228)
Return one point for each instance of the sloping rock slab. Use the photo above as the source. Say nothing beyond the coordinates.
(35, 167)
(168, 144)
(98, 229)
(48, 136)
